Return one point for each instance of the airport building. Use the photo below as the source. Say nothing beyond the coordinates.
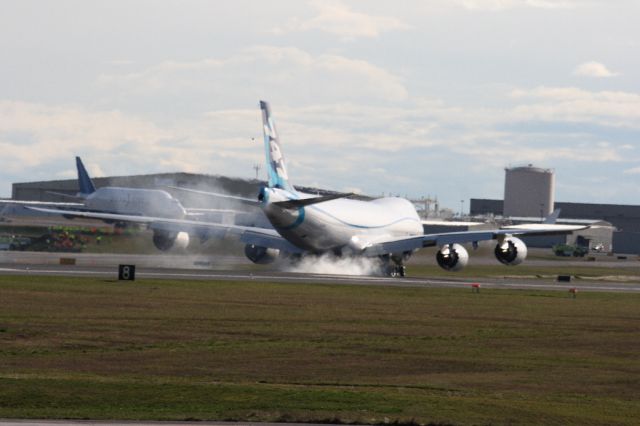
(51, 190)
(528, 190)
(623, 219)
(529, 196)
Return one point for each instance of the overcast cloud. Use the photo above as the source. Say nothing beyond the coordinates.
(412, 97)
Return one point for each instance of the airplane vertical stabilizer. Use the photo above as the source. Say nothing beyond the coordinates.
(84, 181)
(276, 168)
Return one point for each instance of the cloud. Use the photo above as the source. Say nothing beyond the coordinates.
(260, 71)
(570, 104)
(497, 5)
(113, 143)
(403, 145)
(336, 18)
(633, 171)
(59, 131)
(503, 153)
(593, 69)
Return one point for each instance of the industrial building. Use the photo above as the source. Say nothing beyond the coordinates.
(529, 196)
(50, 190)
(624, 219)
(528, 191)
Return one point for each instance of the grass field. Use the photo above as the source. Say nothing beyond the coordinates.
(90, 348)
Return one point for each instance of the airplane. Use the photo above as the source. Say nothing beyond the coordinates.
(119, 201)
(387, 228)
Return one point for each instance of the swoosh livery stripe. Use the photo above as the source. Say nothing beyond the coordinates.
(363, 226)
(298, 221)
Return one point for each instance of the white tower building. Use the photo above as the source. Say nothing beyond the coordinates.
(528, 191)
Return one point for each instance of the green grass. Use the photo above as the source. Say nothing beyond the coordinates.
(163, 350)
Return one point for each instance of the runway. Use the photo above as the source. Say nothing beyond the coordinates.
(139, 423)
(264, 275)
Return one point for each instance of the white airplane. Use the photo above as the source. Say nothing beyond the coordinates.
(135, 201)
(118, 201)
(388, 229)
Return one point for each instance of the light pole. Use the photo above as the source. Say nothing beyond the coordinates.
(461, 207)
(256, 167)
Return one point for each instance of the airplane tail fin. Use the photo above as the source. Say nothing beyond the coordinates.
(278, 177)
(84, 181)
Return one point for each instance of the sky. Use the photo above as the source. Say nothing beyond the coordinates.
(410, 97)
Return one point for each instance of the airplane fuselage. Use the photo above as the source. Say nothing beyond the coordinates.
(342, 225)
(135, 201)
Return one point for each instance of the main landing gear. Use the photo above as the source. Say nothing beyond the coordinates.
(396, 271)
(393, 267)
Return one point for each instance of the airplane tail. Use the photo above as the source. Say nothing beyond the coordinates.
(84, 181)
(278, 177)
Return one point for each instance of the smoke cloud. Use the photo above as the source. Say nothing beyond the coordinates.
(332, 265)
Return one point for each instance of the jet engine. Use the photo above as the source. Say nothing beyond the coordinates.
(513, 251)
(452, 257)
(261, 255)
(167, 240)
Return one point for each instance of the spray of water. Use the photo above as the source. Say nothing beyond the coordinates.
(332, 265)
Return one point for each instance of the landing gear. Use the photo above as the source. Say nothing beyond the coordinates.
(397, 271)
(393, 267)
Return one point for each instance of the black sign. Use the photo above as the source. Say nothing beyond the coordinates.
(127, 272)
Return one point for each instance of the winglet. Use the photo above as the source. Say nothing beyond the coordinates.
(552, 218)
(84, 181)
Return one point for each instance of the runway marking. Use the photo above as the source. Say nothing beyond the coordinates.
(382, 280)
(328, 279)
(57, 272)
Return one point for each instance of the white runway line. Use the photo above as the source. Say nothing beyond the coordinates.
(330, 279)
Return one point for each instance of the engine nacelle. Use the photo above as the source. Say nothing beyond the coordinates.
(513, 251)
(452, 257)
(167, 240)
(261, 255)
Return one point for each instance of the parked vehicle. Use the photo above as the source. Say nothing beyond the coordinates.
(567, 250)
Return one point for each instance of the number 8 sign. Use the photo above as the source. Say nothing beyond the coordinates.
(127, 272)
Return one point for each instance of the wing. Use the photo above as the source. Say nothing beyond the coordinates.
(403, 244)
(216, 195)
(250, 235)
(41, 203)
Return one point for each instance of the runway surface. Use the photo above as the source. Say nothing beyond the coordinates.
(111, 272)
(138, 423)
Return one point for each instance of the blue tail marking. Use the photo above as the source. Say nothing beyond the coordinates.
(278, 177)
(84, 181)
